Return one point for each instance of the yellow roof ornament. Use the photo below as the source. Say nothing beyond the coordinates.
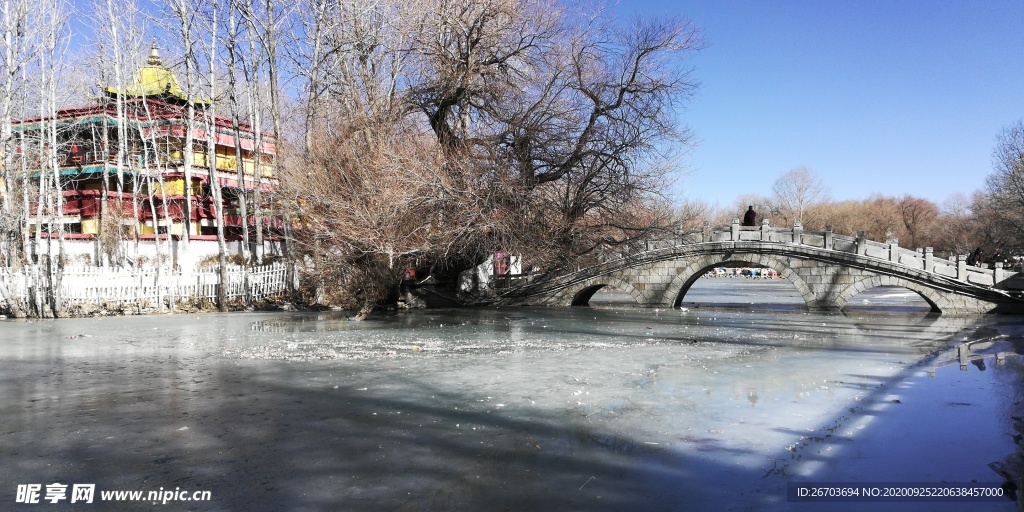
(155, 81)
(154, 56)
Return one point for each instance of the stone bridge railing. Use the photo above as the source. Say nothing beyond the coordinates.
(920, 259)
(827, 270)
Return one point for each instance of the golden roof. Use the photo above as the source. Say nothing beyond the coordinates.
(155, 81)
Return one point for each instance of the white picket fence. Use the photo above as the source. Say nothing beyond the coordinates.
(149, 288)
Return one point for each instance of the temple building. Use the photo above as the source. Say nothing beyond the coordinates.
(124, 163)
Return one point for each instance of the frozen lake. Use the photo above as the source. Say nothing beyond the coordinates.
(606, 408)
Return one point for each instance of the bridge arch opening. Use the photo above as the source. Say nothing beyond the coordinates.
(890, 299)
(607, 295)
(740, 284)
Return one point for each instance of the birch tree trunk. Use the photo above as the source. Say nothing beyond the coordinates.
(315, 28)
(232, 47)
(54, 23)
(26, 238)
(119, 83)
(15, 16)
(184, 13)
(209, 114)
(262, 29)
(271, 46)
(116, 24)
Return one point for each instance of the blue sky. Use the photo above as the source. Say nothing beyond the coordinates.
(889, 97)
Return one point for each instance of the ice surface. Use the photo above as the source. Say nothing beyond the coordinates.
(504, 409)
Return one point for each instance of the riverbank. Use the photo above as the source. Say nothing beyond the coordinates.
(71, 292)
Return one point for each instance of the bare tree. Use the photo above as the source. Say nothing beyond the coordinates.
(541, 130)
(264, 28)
(233, 47)
(1008, 162)
(17, 45)
(53, 16)
(16, 54)
(186, 15)
(209, 115)
(1005, 189)
(315, 26)
(957, 229)
(371, 207)
(257, 34)
(795, 190)
(578, 103)
(919, 218)
(119, 47)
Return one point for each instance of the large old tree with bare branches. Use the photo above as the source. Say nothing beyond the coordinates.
(438, 132)
(1000, 208)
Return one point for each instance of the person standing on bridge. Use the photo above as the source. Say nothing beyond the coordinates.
(750, 218)
(974, 259)
(997, 257)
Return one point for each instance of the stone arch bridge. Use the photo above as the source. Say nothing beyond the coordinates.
(827, 270)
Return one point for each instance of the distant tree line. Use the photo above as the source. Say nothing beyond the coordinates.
(991, 219)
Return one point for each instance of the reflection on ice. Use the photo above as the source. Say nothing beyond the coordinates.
(442, 333)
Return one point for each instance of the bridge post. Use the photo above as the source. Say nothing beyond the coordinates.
(798, 231)
(705, 235)
(929, 260)
(828, 237)
(961, 267)
(999, 275)
(894, 250)
(861, 248)
(765, 233)
(735, 229)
